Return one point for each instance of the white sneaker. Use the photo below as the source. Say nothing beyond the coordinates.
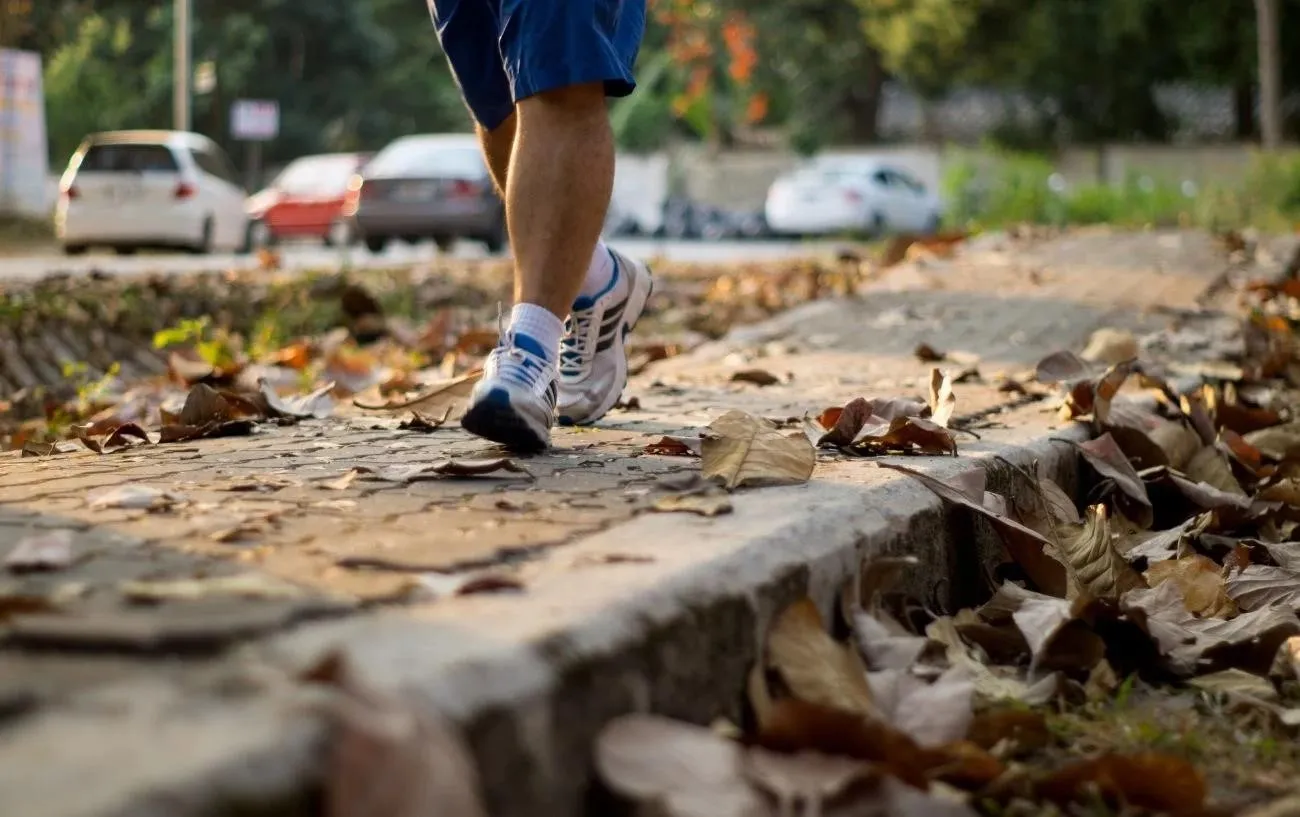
(514, 403)
(593, 361)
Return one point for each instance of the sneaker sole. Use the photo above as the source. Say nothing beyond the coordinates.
(642, 288)
(494, 418)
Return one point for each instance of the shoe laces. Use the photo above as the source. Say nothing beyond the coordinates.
(515, 364)
(574, 355)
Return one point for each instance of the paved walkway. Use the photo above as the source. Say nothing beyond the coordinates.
(318, 505)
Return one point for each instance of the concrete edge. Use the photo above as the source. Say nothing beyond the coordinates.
(676, 637)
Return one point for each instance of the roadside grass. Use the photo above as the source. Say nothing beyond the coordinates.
(19, 233)
(991, 189)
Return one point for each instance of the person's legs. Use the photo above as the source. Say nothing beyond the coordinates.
(497, 145)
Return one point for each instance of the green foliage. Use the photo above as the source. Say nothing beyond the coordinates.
(996, 188)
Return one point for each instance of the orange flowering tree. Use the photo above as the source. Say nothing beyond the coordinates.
(713, 54)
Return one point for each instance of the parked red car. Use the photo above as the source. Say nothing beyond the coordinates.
(305, 201)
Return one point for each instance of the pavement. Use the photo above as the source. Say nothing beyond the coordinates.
(300, 256)
(135, 681)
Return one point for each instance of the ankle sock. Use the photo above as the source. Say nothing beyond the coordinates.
(599, 271)
(540, 324)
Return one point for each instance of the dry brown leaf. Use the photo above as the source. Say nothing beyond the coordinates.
(50, 550)
(943, 403)
(1027, 546)
(133, 496)
(1200, 581)
(439, 585)
(1193, 645)
(928, 354)
(425, 423)
(318, 404)
(1277, 443)
(1259, 586)
(741, 450)
(1105, 456)
(1149, 439)
(450, 396)
(1056, 635)
(1235, 683)
(1161, 783)
(1095, 567)
(390, 756)
(1284, 490)
(817, 668)
(1210, 465)
(704, 503)
(758, 377)
(1109, 346)
(445, 468)
(655, 760)
(931, 714)
(808, 777)
(676, 446)
(990, 683)
(1059, 504)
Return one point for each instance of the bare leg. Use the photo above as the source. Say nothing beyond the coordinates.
(497, 146)
(560, 178)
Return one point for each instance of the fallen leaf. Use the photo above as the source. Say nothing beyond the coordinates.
(676, 446)
(741, 450)
(1284, 490)
(134, 496)
(391, 756)
(1244, 419)
(444, 468)
(1260, 586)
(51, 550)
(1027, 546)
(655, 760)
(341, 483)
(1193, 645)
(439, 585)
(32, 449)
(1277, 443)
(816, 668)
(1236, 683)
(927, 354)
(989, 684)
(241, 585)
(1162, 783)
(1109, 346)
(759, 377)
(884, 647)
(1059, 504)
(713, 503)
(943, 403)
(1210, 465)
(1105, 456)
(1200, 581)
(449, 396)
(808, 777)
(1018, 731)
(318, 404)
(1057, 637)
(424, 422)
(931, 714)
(1150, 440)
(1095, 567)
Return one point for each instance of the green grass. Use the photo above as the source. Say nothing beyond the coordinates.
(994, 188)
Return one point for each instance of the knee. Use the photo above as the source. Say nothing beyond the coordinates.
(570, 100)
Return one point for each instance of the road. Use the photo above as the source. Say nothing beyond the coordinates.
(310, 256)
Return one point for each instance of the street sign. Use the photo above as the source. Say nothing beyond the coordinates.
(255, 120)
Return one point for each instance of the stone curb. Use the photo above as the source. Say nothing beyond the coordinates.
(676, 637)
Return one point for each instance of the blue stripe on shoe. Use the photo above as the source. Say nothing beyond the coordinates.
(530, 345)
(588, 301)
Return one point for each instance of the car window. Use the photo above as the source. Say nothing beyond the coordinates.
(316, 175)
(904, 180)
(215, 164)
(422, 158)
(883, 178)
(128, 158)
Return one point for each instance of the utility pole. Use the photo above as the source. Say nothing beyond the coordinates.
(1270, 73)
(183, 71)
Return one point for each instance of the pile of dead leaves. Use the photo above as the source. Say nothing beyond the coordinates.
(1182, 570)
(890, 426)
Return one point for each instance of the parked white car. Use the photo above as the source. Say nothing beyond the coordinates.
(838, 194)
(127, 190)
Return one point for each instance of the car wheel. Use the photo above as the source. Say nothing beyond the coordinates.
(933, 224)
(74, 249)
(444, 243)
(340, 233)
(259, 235)
(125, 249)
(877, 225)
(204, 246)
(376, 243)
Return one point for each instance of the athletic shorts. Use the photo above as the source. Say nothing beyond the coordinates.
(502, 51)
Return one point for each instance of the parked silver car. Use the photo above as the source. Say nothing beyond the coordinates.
(428, 186)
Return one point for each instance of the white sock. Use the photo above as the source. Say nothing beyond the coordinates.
(540, 324)
(599, 271)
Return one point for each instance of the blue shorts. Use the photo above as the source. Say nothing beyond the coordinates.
(502, 51)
